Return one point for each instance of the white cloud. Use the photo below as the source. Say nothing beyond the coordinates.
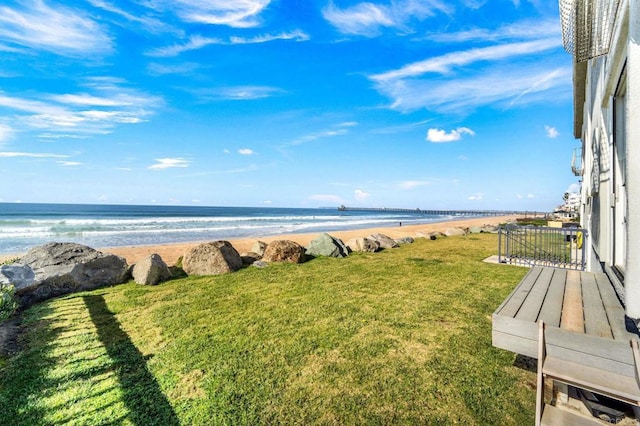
(246, 151)
(438, 135)
(196, 42)
(574, 188)
(360, 195)
(529, 196)
(185, 68)
(522, 30)
(327, 198)
(238, 93)
(297, 35)
(226, 151)
(148, 23)
(9, 154)
(168, 163)
(69, 163)
(411, 184)
(237, 13)
(476, 197)
(446, 63)
(460, 81)
(552, 132)
(59, 30)
(339, 130)
(367, 19)
(111, 103)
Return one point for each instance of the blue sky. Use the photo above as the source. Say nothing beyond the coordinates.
(420, 104)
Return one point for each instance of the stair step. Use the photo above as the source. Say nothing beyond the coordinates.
(617, 386)
(554, 416)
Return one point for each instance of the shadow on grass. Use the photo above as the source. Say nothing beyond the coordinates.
(141, 393)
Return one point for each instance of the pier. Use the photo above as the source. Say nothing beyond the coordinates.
(445, 212)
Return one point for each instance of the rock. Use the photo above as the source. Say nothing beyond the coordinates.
(435, 235)
(405, 240)
(259, 247)
(384, 241)
(454, 232)
(361, 244)
(214, 258)
(250, 258)
(284, 251)
(490, 229)
(326, 245)
(151, 270)
(55, 269)
(260, 264)
(475, 230)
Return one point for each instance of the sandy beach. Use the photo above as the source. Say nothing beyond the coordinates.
(171, 252)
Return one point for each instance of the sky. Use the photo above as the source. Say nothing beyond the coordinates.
(428, 104)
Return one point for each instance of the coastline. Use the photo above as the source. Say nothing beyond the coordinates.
(170, 253)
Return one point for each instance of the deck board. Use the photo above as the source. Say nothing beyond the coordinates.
(612, 306)
(596, 323)
(512, 305)
(551, 311)
(530, 309)
(572, 313)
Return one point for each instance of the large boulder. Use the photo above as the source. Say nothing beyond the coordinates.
(455, 232)
(250, 258)
(214, 258)
(284, 251)
(151, 270)
(405, 240)
(326, 245)
(362, 244)
(55, 269)
(259, 247)
(384, 241)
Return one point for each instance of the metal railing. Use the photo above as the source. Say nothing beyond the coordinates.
(543, 246)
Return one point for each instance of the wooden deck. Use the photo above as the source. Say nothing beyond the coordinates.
(585, 325)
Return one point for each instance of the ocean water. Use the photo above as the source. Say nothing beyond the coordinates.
(25, 225)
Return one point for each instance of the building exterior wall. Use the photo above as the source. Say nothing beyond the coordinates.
(610, 134)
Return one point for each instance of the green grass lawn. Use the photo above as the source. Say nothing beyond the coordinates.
(397, 337)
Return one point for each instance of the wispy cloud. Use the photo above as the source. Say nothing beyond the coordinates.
(444, 64)
(236, 93)
(368, 19)
(552, 132)
(9, 154)
(523, 30)
(60, 30)
(529, 196)
(69, 163)
(339, 130)
(169, 163)
(476, 197)
(195, 42)
(110, 103)
(412, 184)
(439, 135)
(297, 35)
(185, 68)
(246, 151)
(237, 14)
(148, 23)
(463, 80)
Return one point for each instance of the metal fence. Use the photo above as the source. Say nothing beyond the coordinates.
(543, 246)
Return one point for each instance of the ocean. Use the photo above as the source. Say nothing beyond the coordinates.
(26, 225)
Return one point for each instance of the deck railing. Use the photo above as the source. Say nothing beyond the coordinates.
(542, 246)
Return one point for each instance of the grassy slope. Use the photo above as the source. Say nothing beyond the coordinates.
(401, 336)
